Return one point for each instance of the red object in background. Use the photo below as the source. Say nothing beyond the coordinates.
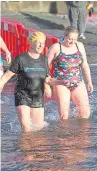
(10, 32)
(49, 41)
(15, 35)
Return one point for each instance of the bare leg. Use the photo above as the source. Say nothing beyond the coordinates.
(37, 115)
(63, 101)
(81, 100)
(23, 113)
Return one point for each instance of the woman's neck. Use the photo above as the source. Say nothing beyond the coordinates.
(33, 54)
(69, 50)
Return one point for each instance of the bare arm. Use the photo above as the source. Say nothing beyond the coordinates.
(85, 65)
(53, 52)
(5, 78)
(4, 47)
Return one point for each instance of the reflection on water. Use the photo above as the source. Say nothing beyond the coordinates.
(65, 148)
(58, 147)
(69, 145)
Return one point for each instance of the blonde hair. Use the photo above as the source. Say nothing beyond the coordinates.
(36, 36)
(69, 30)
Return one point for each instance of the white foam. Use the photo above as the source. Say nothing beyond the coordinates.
(35, 127)
(2, 102)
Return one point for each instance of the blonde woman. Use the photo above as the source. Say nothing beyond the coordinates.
(70, 61)
(31, 69)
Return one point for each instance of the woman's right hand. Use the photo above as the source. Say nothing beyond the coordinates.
(90, 87)
(8, 57)
(1, 86)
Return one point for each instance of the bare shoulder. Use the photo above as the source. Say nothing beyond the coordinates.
(82, 50)
(80, 44)
(55, 45)
(54, 48)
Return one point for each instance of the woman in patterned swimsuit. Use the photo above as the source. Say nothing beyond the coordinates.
(70, 61)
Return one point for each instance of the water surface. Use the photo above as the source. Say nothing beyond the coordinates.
(71, 145)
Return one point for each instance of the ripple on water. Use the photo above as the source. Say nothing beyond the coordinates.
(69, 145)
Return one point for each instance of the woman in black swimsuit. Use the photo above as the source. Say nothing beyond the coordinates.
(31, 69)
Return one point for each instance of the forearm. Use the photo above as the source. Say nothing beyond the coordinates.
(87, 74)
(6, 77)
(3, 46)
(53, 81)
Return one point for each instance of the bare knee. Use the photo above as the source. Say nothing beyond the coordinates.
(63, 117)
(84, 113)
(26, 128)
(23, 113)
(64, 114)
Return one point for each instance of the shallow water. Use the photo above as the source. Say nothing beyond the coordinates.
(67, 146)
(71, 145)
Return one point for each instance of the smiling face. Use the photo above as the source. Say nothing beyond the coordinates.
(70, 39)
(37, 42)
(38, 45)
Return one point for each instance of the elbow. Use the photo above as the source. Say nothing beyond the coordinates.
(85, 66)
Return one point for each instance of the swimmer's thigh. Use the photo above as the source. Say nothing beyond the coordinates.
(37, 109)
(63, 100)
(37, 115)
(23, 113)
(80, 97)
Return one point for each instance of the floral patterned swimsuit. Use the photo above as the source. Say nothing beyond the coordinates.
(68, 68)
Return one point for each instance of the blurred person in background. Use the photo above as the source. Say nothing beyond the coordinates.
(77, 13)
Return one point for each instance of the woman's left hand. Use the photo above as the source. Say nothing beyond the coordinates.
(48, 92)
(90, 87)
(50, 81)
